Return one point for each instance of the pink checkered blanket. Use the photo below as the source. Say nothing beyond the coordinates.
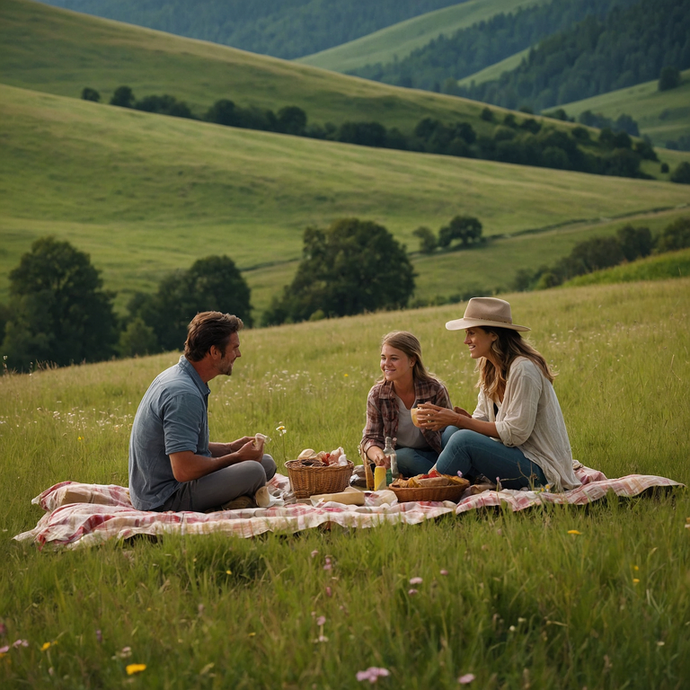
(87, 514)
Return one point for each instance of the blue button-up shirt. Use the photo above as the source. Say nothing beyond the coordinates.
(172, 417)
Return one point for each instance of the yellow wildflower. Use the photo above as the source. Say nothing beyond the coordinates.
(135, 668)
(573, 531)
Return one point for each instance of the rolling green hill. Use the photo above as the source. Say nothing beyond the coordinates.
(145, 194)
(47, 49)
(496, 70)
(661, 115)
(399, 40)
(282, 28)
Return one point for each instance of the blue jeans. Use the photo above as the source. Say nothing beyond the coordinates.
(412, 461)
(473, 454)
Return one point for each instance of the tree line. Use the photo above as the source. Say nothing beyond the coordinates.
(627, 47)
(524, 141)
(283, 28)
(439, 64)
(628, 244)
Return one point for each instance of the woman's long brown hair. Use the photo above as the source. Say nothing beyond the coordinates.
(506, 348)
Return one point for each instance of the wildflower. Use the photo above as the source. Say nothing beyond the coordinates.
(20, 643)
(281, 429)
(467, 678)
(346, 375)
(99, 636)
(372, 674)
(80, 438)
(573, 531)
(412, 592)
(416, 580)
(328, 565)
(321, 620)
(228, 572)
(329, 592)
(321, 638)
(660, 643)
(4, 650)
(135, 668)
(635, 580)
(444, 571)
(251, 634)
(636, 567)
(315, 552)
(47, 645)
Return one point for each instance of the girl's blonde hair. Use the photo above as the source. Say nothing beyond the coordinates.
(409, 344)
(508, 345)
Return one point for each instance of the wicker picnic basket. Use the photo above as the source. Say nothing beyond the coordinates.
(307, 480)
(431, 493)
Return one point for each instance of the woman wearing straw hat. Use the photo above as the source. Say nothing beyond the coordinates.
(516, 434)
(405, 382)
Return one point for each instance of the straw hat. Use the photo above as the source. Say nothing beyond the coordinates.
(486, 311)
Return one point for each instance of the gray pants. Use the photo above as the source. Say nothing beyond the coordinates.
(217, 488)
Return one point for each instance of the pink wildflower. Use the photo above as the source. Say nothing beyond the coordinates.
(5, 649)
(416, 580)
(412, 592)
(444, 571)
(321, 620)
(467, 678)
(20, 643)
(372, 674)
(314, 553)
(329, 592)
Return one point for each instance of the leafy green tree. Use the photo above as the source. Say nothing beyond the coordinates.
(681, 174)
(427, 240)
(634, 242)
(467, 229)
(669, 78)
(164, 105)
(224, 112)
(675, 235)
(352, 267)
(292, 120)
(89, 94)
(123, 96)
(59, 312)
(211, 284)
(137, 339)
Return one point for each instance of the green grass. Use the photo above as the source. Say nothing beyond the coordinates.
(661, 267)
(493, 72)
(401, 39)
(144, 194)
(661, 115)
(523, 601)
(47, 49)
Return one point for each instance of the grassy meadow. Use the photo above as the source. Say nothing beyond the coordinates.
(661, 115)
(144, 194)
(523, 604)
(399, 40)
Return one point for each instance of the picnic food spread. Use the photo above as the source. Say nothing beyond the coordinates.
(433, 479)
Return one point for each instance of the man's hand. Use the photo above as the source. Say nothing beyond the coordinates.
(251, 450)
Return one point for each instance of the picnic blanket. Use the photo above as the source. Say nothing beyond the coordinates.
(88, 514)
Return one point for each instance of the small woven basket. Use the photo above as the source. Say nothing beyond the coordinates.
(307, 480)
(431, 493)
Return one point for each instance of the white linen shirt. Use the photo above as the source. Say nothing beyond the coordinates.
(530, 419)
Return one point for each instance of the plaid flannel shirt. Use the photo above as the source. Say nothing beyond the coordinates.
(382, 412)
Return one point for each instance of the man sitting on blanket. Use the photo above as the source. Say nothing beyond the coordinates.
(172, 465)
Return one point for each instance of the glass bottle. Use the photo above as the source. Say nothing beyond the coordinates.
(392, 461)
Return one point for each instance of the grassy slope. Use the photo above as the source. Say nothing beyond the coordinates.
(47, 49)
(146, 193)
(237, 613)
(496, 70)
(661, 115)
(661, 267)
(401, 39)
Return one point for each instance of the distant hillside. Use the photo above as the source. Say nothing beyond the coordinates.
(48, 49)
(396, 42)
(663, 116)
(281, 28)
(145, 194)
(448, 58)
(627, 47)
